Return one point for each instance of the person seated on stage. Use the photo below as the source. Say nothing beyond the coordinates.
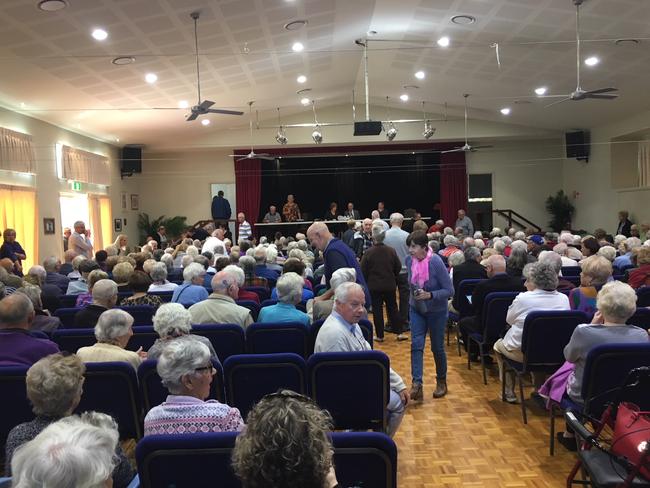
(260, 265)
(351, 213)
(332, 213)
(383, 213)
(290, 210)
(220, 307)
(272, 216)
(238, 274)
(289, 292)
(295, 265)
(348, 235)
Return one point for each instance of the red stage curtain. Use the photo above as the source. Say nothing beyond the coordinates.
(248, 180)
(453, 186)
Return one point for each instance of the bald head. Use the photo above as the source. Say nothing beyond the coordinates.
(319, 235)
(496, 264)
(16, 312)
(7, 264)
(225, 283)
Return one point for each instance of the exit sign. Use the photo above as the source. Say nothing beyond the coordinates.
(76, 186)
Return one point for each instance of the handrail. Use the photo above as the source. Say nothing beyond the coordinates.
(509, 215)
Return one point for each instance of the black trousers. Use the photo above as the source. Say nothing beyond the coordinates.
(404, 290)
(378, 298)
(468, 325)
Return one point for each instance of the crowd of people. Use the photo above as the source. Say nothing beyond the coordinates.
(415, 275)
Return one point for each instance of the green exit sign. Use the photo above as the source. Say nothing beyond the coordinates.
(76, 186)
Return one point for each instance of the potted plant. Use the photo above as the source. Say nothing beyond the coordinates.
(561, 210)
(147, 227)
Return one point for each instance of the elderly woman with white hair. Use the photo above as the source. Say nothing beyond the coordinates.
(42, 319)
(452, 245)
(122, 274)
(171, 321)
(54, 388)
(541, 283)
(192, 290)
(113, 331)
(158, 276)
(185, 368)
(321, 309)
(295, 265)
(608, 252)
(563, 250)
(626, 249)
(289, 290)
(75, 451)
(272, 259)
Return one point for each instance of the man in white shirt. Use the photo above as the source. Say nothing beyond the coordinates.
(341, 333)
(245, 230)
(79, 242)
(216, 239)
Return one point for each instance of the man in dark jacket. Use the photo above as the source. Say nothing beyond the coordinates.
(348, 235)
(624, 224)
(221, 211)
(104, 297)
(471, 269)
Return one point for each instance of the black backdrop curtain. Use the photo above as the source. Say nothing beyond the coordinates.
(401, 181)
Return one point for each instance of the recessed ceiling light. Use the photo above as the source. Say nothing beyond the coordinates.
(99, 34)
(592, 61)
(22, 104)
(305, 101)
(404, 97)
(420, 75)
(297, 47)
(52, 5)
(122, 60)
(295, 24)
(540, 91)
(505, 110)
(443, 41)
(117, 139)
(183, 104)
(301, 79)
(205, 121)
(463, 19)
(151, 78)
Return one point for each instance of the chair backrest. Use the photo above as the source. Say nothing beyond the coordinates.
(364, 324)
(465, 289)
(365, 459)
(249, 377)
(575, 280)
(643, 296)
(153, 392)
(641, 318)
(268, 302)
(143, 336)
(187, 460)
(165, 296)
(353, 386)
(16, 408)
(250, 305)
(112, 388)
(545, 334)
(123, 294)
(262, 292)
(72, 339)
(142, 314)
(67, 316)
(275, 337)
(571, 271)
(606, 368)
(495, 310)
(68, 301)
(226, 339)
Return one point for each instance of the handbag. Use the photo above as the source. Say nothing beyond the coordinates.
(632, 436)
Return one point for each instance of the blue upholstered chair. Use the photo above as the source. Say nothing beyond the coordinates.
(364, 324)
(142, 314)
(186, 461)
(68, 301)
(275, 337)
(72, 339)
(641, 318)
(465, 289)
(262, 293)
(365, 459)
(16, 408)
(226, 339)
(353, 386)
(165, 296)
(571, 271)
(112, 388)
(643, 296)
(249, 377)
(67, 316)
(250, 305)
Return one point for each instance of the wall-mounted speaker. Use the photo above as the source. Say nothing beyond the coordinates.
(577, 145)
(131, 160)
(367, 128)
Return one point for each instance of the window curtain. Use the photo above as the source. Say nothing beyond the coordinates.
(18, 212)
(644, 163)
(453, 186)
(16, 152)
(248, 182)
(101, 221)
(79, 165)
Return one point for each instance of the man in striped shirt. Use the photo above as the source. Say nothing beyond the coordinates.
(245, 230)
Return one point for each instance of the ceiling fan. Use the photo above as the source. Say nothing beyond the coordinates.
(203, 107)
(252, 154)
(466, 147)
(579, 93)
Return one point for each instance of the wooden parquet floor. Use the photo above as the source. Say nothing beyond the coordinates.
(470, 438)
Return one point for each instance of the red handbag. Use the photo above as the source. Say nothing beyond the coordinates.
(632, 436)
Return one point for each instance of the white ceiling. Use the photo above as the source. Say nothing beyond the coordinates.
(49, 62)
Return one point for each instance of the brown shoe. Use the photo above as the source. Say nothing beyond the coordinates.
(441, 389)
(416, 393)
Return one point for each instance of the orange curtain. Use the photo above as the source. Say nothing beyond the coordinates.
(101, 221)
(85, 166)
(18, 212)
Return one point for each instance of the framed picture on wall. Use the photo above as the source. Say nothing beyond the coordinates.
(48, 226)
(123, 201)
(117, 224)
(135, 202)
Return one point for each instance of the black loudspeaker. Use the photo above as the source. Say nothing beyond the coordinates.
(131, 161)
(368, 128)
(577, 145)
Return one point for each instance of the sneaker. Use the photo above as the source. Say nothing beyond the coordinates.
(402, 337)
(510, 397)
(378, 339)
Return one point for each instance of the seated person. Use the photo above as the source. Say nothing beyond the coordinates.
(81, 285)
(640, 276)
(295, 265)
(54, 388)
(50, 294)
(113, 332)
(76, 261)
(104, 297)
(192, 290)
(121, 274)
(261, 269)
(93, 277)
(541, 283)
(596, 271)
(158, 276)
(53, 273)
(173, 320)
(186, 371)
(321, 309)
(238, 274)
(42, 319)
(247, 264)
(470, 269)
(303, 439)
(17, 346)
(220, 307)
(78, 451)
(140, 282)
(289, 291)
(555, 261)
(272, 259)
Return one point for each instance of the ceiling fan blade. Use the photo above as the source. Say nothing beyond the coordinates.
(481, 147)
(242, 159)
(192, 116)
(456, 149)
(601, 97)
(206, 104)
(225, 112)
(267, 157)
(555, 103)
(602, 90)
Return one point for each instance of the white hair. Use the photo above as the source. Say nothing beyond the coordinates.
(574, 253)
(193, 270)
(566, 237)
(455, 259)
(618, 239)
(450, 240)
(495, 232)
(75, 451)
(289, 288)
(519, 245)
(520, 235)
(158, 272)
(499, 245)
(448, 231)
(607, 252)
(112, 324)
(237, 273)
(632, 243)
(478, 235)
(172, 320)
(343, 275)
(77, 261)
(551, 258)
(271, 254)
(617, 300)
(343, 291)
(469, 242)
(38, 271)
(168, 260)
(561, 249)
(111, 250)
(181, 357)
(186, 260)
(396, 218)
(103, 291)
(479, 243)
(192, 251)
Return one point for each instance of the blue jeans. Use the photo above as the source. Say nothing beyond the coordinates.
(435, 323)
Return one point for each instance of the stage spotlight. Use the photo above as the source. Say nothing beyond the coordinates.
(391, 132)
(428, 130)
(281, 137)
(317, 136)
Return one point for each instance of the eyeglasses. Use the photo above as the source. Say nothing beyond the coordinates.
(206, 368)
